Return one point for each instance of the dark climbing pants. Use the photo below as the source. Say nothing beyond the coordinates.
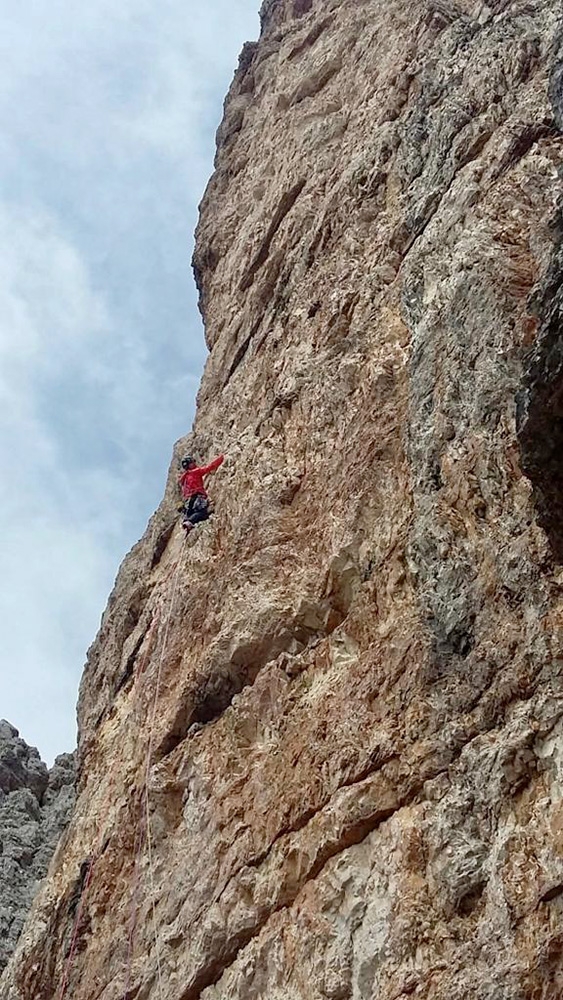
(196, 509)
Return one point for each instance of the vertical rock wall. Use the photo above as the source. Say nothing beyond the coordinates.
(347, 685)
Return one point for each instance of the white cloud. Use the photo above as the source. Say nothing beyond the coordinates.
(55, 558)
(107, 113)
(46, 301)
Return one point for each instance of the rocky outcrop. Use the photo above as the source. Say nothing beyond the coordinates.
(321, 742)
(35, 807)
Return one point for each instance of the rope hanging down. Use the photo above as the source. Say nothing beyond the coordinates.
(139, 837)
(137, 851)
(148, 766)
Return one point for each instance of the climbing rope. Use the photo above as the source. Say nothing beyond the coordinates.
(139, 837)
(137, 851)
(84, 893)
(74, 939)
(148, 767)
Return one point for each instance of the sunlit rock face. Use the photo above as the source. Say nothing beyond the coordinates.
(347, 684)
(35, 807)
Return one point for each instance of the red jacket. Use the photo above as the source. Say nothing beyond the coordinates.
(191, 481)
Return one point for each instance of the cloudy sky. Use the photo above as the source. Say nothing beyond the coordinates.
(108, 114)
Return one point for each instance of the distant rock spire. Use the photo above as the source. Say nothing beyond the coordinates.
(35, 807)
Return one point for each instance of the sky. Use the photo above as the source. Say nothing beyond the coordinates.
(108, 113)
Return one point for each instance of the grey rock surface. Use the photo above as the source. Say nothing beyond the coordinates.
(35, 807)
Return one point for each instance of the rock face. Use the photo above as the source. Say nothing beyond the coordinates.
(35, 807)
(321, 742)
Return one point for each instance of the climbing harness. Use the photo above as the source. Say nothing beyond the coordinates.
(143, 835)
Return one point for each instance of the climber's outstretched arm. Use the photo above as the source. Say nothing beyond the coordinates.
(206, 469)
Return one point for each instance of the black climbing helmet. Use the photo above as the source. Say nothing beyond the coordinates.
(187, 461)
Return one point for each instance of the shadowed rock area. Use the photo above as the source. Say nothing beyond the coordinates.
(321, 741)
(35, 808)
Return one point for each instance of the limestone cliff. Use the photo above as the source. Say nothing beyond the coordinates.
(35, 807)
(347, 685)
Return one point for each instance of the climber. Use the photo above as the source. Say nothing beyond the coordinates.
(195, 506)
